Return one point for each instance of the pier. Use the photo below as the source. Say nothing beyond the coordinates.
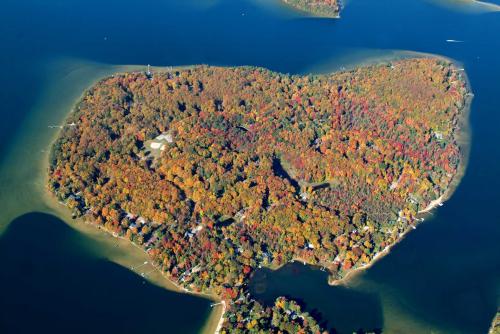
(139, 266)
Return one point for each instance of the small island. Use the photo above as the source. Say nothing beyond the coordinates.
(218, 171)
(322, 8)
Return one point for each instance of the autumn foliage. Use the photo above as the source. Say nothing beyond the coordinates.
(262, 168)
(326, 8)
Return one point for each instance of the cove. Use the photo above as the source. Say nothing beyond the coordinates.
(68, 287)
(341, 309)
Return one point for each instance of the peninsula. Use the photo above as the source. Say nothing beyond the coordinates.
(218, 171)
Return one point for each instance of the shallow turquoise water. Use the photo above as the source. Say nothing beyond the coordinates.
(443, 278)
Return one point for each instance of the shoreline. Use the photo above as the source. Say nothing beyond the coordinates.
(308, 14)
(462, 137)
(221, 318)
(133, 251)
(135, 254)
(475, 5)
(489, 5)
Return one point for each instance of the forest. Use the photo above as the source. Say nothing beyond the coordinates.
(217, 171)
(324, 8)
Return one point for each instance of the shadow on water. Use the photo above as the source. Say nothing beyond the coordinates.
(339, 308)
(51, 281)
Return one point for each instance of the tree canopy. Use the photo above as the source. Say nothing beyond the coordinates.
(217, 171)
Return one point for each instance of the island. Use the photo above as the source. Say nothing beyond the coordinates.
(218, 171)
(321, 8)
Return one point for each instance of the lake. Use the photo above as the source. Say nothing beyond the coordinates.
(442, 278)
(52, 281)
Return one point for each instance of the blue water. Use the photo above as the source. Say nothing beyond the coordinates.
(53, 283)
(443, 277)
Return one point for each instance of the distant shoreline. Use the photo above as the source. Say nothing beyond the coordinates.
(483, 4)
(306, 12)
